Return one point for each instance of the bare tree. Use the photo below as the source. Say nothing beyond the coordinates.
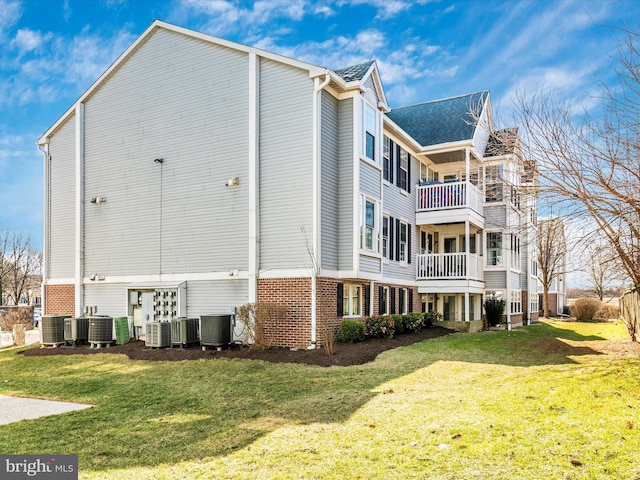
(590, 164)
(551, 246)
(20, 266)
(603, 270)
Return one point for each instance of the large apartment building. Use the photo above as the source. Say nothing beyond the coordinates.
(197, 175)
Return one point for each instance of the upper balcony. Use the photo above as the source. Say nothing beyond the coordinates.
(450, 202)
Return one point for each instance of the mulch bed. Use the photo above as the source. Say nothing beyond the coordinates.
(345, 354)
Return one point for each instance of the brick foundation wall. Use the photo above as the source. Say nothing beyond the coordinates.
(293, 331)
(60, 299)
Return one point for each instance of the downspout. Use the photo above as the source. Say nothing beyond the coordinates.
(317, 111)
(45, 226)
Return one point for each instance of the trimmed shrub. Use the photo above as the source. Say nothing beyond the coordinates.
(381, 327)
(398, 323)
(351, 331)
(413, 322)
(494, 308)
(431, 318)
(585, 309)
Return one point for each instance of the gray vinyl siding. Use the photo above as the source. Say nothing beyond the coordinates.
(370, 264)
(401, 205)
(329, 207)
(370, 180)
(61, 202)
(217, 297)
(368, 83)
(514, 282)
(495, 218)
(495, 279)
(111, 298)
(286, 165)
(190, 109)
(346, 194)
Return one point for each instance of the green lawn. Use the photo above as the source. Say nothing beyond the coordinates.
(555, 401)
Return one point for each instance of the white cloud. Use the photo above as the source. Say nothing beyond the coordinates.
(27, 40)
(10, 13)
(386, 9)
(324, 11)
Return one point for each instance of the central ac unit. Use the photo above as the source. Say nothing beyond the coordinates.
(100, 331)
(158, 334)
(52, 329)
(215, 330)
(76, 330)
(184, 331)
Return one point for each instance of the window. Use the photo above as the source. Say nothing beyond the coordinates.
(493, 181)
(449, 307)
(515, 252)
(370, 123)
(426, 174)
(494, 249)
(385, 236)
(403, 236)
(533, 301)
(404, 301)
(516, 301)
(368, 224)
(403, 170)
(387, 159)
(351, 301)
(384, 300)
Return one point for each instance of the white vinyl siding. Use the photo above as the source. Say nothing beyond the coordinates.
(61, 202)
(286, 168)
(345, 182)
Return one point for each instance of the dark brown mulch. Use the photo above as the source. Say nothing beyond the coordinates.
(345, 354)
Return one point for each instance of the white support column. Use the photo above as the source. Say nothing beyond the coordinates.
(79, 202)
(468, 266)
(254, 167)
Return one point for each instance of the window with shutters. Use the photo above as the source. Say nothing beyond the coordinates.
(385, 236)
(351, 300)
(403, 239)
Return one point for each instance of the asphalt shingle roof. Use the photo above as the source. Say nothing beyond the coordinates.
(502, 142)
(440, 121)
(354, 72)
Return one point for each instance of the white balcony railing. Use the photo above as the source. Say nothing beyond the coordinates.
(439, 196)
(448, 266)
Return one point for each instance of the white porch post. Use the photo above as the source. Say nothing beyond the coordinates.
(468, 266)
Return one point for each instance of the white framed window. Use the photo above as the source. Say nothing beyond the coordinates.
(403, 171)
(387, 159)
(404, 306)
(385, 236)
(384, 301)
(369, 224)
(494, 249)
(515, 252)
(351, 301)
(370, 129)
(493, 176)
(427, 174)
(516, 301)
(403, 236)
(533, 302)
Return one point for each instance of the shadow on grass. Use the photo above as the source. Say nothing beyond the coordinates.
(190, 410)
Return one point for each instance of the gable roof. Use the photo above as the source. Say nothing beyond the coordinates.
(314, 70)
(354, 72)
(441, 121)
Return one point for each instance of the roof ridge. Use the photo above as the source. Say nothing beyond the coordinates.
(441, 99)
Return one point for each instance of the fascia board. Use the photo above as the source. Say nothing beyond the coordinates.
(445, 147)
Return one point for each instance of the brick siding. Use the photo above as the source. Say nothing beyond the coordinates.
(59, 299)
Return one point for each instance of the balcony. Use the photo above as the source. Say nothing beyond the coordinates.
(449, 203)
(449, 266)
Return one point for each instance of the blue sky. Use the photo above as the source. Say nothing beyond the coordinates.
(51, 51)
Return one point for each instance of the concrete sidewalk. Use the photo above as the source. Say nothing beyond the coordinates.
(14, 409)
(31, 337)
